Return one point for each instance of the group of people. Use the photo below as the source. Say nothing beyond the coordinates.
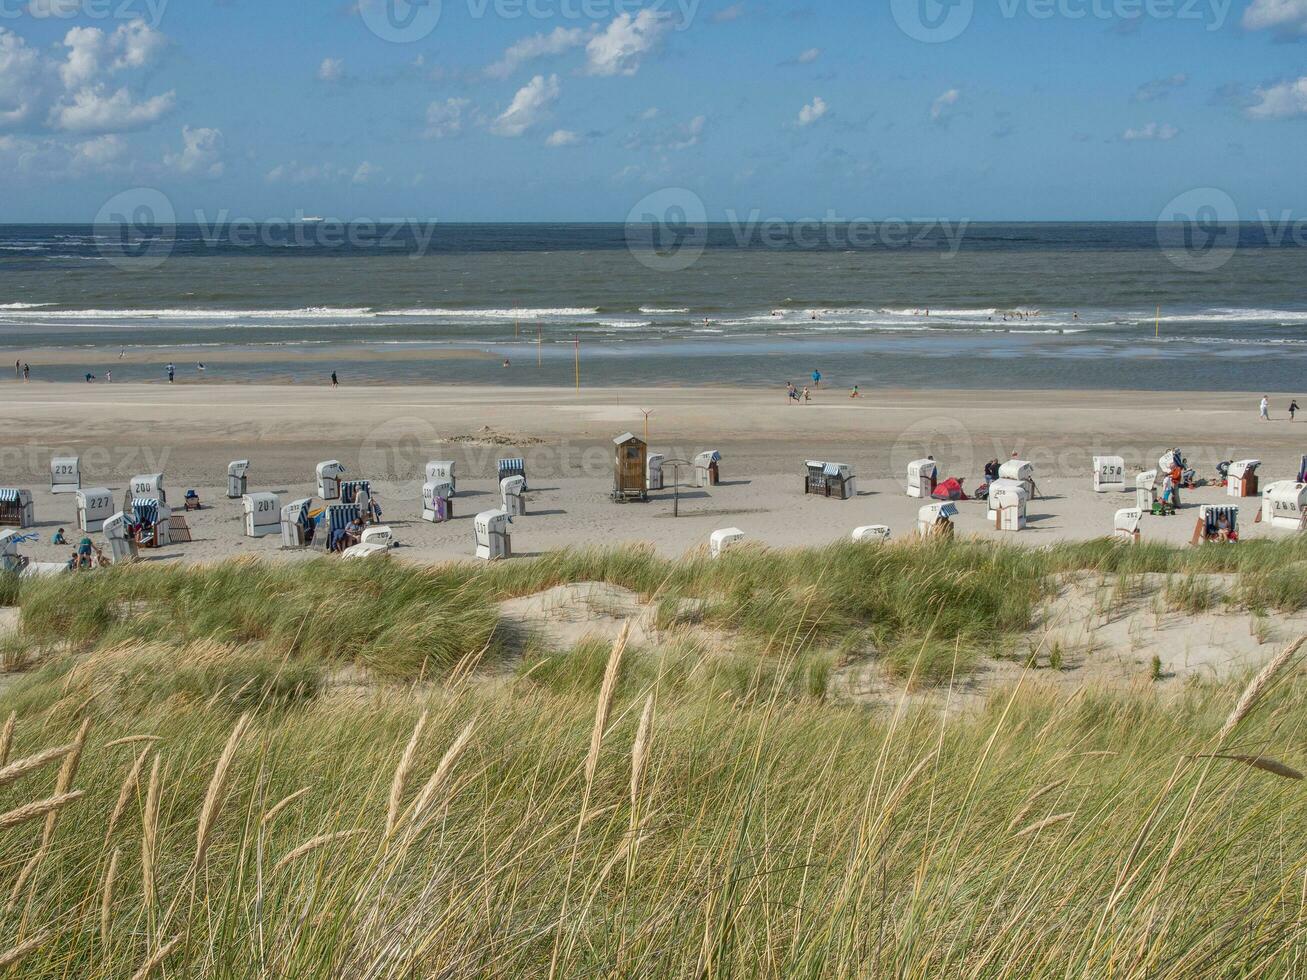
(1265, 410)
(23, 370)
(85, 556)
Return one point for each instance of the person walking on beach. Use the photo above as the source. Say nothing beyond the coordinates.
(1266, 409)
(172, 372)
(1293, 410)
(816, 378)
(108, 377)
(27, 371)
(807, 395)
(335, 382)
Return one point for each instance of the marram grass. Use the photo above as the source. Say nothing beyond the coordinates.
(665, 816)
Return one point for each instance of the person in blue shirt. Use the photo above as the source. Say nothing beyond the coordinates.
(59, 537)
(816, 378)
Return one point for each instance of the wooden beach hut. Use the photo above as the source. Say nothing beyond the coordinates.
(630, 468)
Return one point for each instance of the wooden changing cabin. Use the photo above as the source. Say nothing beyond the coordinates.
(630, 459)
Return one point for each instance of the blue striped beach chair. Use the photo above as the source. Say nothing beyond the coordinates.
(332, 524)
(1209, 527)
(350, 490)
(16, 508)
(512, 467)
(148, 513)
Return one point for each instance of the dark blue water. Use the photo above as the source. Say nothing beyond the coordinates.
(948, 305)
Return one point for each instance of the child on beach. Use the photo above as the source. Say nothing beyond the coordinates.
(855, 393)
(807, 395)
(1293, 410)
(1266, 409)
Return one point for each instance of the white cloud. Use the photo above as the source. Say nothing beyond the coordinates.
(366, 171)
(135, 45)
(939, 109)
(727, 14)
(1160, 88)
(620, 49)
(560, 41)
(809, 56)
(813, 111)
(1282, 16)
(20, 68)
(1283, 100)
(94, 111)
(563, 137)
(445, 118)
(201, 153)
(99, 153)
(86, 49)
(92, 54)
(530, 106)
(1151, 131)
(650, 114)
(686, 136)
(331, 70)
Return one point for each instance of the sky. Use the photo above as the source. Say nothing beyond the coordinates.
(577, 110)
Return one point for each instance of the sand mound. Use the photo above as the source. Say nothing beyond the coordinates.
(564, 616)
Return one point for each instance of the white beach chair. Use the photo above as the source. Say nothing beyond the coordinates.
(329, 475)
(94, 507)
(707, 469)
(1126, 524)
(1207, 529)
(1109, 474)
(16, 508)
(922, 476)
(871, 534)
(1242, 481)
(654, 471)
(724, 540)
(936, 519)
(147, 486)
(441, 472)
(65, 474)
(262, 514)
(122, 547)
(513, 466)
(1010, 507)
(295, 523)
(154, 517)
(1146, 491)
(494, 539)
(14, 562)
(237, 482)
(999, 485)
(512, 493)
(1021, 471)
(830, 480)
(437, 502)
(1284, 506)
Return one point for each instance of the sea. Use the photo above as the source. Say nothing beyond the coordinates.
(916, 305)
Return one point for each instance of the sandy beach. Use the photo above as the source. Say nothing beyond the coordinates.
(387, 435)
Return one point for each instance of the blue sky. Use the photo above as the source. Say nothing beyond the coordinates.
(577, 109)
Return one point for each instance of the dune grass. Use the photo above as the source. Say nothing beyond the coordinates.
(218, 807)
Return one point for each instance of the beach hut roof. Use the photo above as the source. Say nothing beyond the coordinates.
(626, 437)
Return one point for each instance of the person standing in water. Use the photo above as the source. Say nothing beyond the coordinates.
(172, 372)
(335, 382)
(816, 378)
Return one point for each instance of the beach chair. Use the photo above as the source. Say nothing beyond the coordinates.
(923, 475)
(494, 540)
(724, 540)
(936, 519)
(1146, 491)
(16, 508)
(1109, 474)
(122, 546)
(297, 527)
(94, 507)
(237, 482)
(262, 514)
(654, 471)
(1302, 470)
(1126, 524)
(1284, 506)
(512, 467)
(147, 486)
(17, 564)
(441, 471)
(1000, 485)
(1243, 478)
(1208, 527)
(329, 473)
(153, 519)
(1010, 507)
(872, 534)
(707, 469)
(829, 480)
(1021, 471)
(437, 502)
(332, 524)
(191, 501)
(511, 490)
(65, 474)
(351, 490)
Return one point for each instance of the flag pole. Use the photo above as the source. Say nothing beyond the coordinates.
(578, 364)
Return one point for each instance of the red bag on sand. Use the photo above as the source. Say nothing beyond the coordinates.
(950, 489)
